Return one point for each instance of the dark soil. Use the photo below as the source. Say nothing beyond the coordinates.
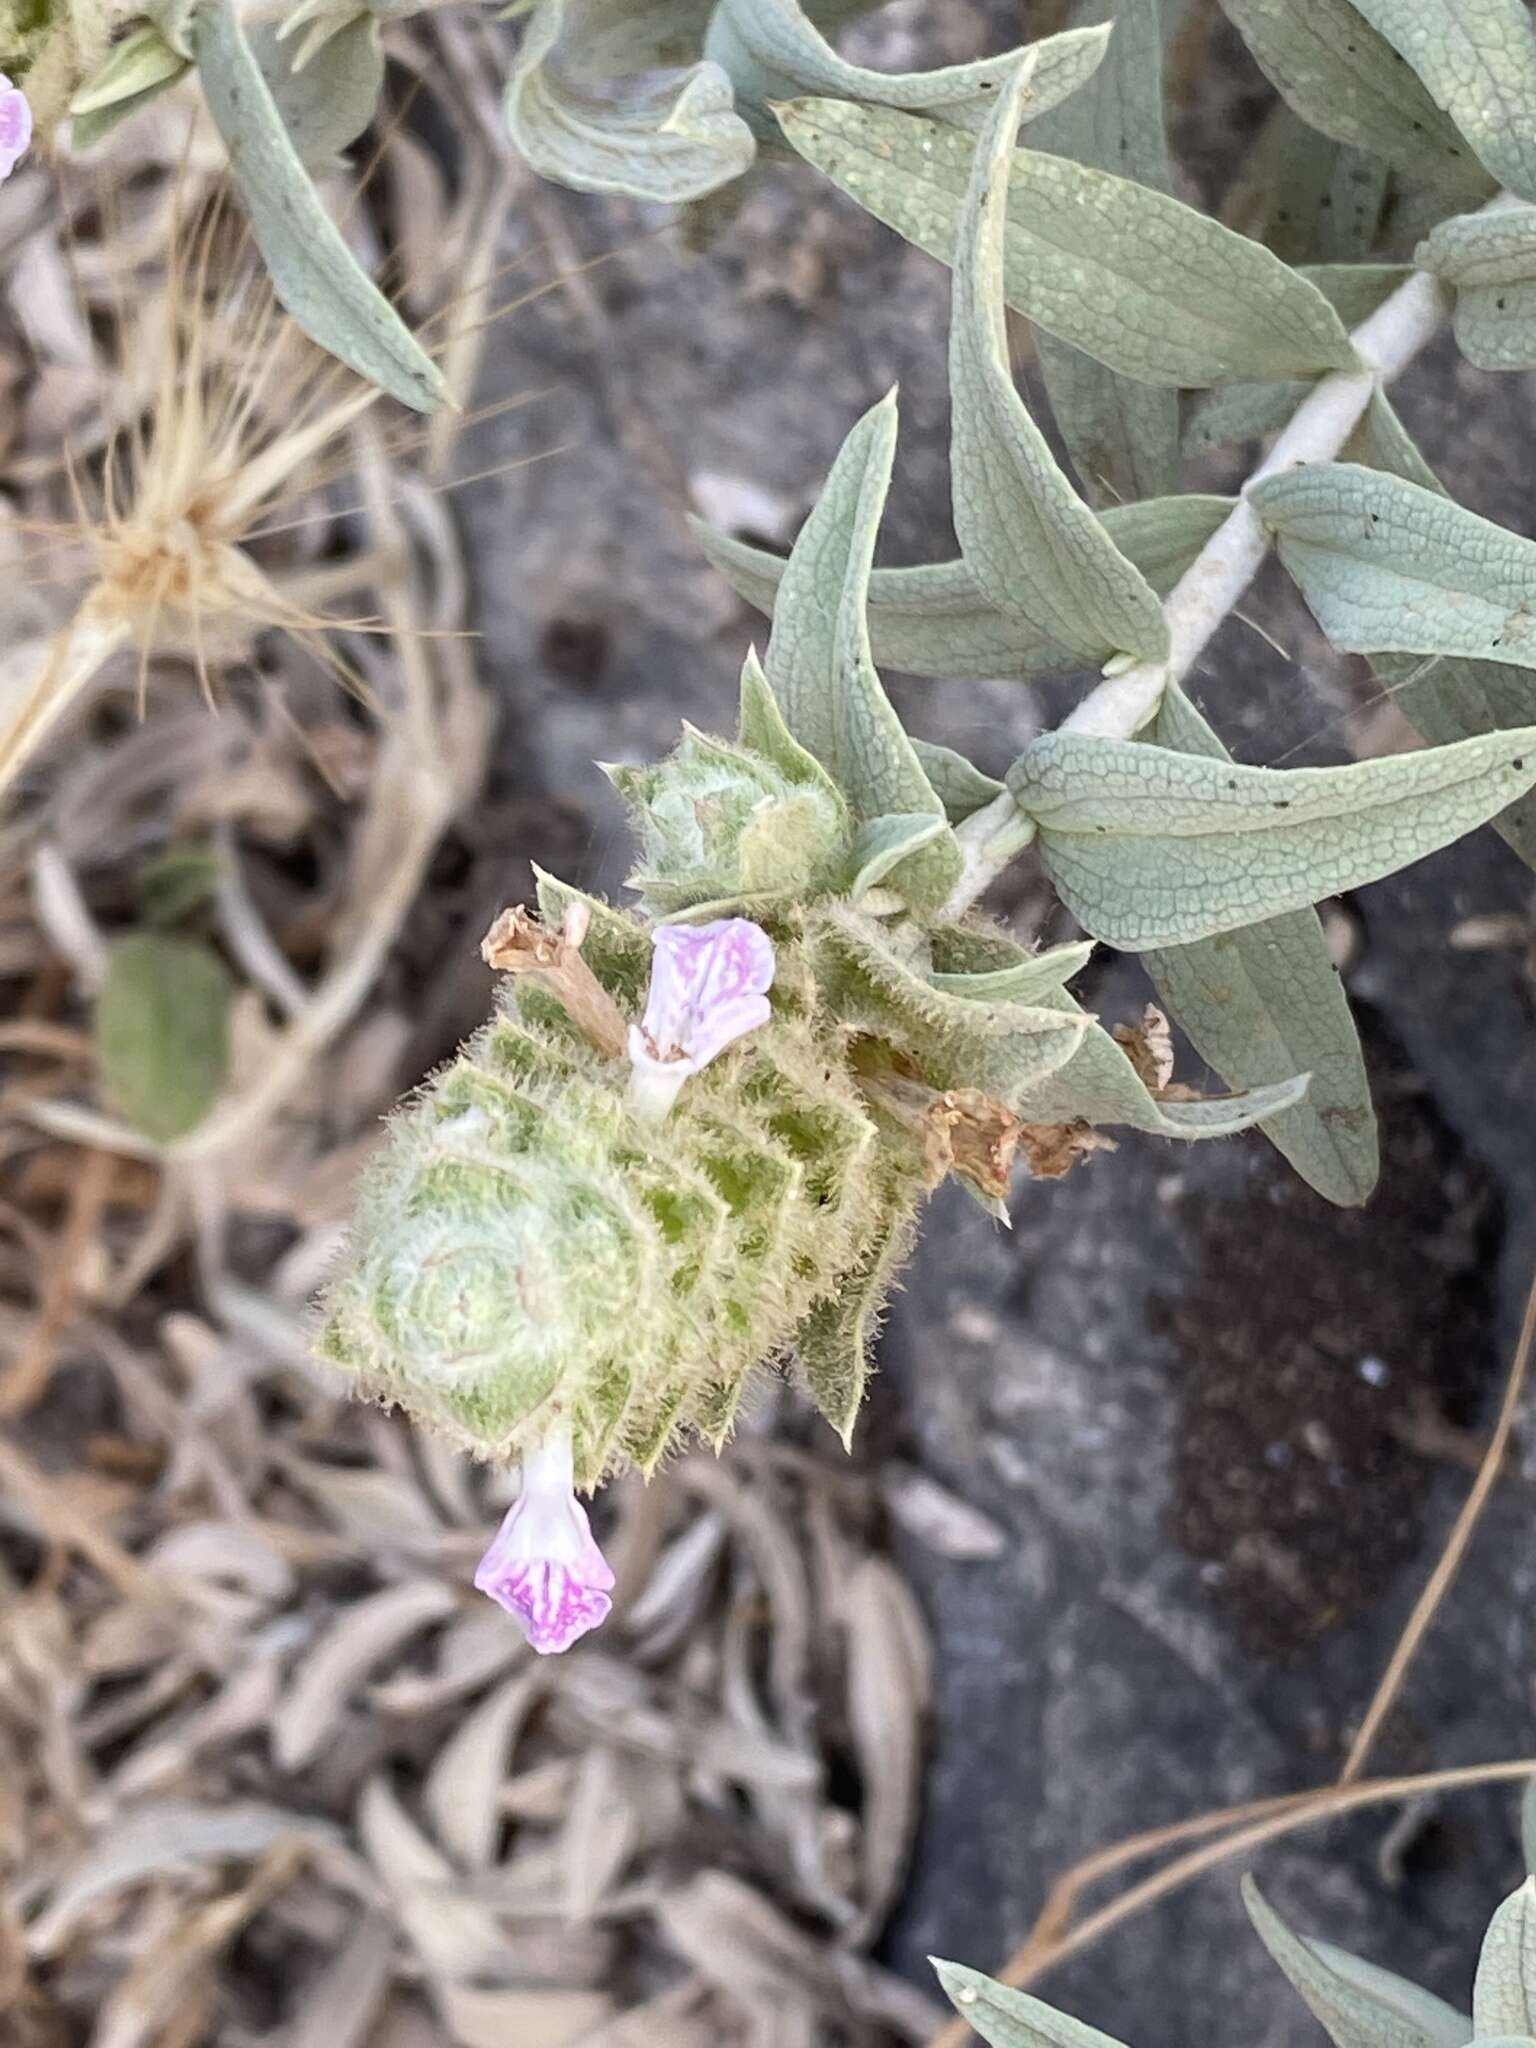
(1323, 1357)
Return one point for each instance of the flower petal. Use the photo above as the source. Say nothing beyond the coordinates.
(15, 126)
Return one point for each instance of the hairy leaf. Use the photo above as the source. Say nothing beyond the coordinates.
(1490, 258)
(1241, 412)
(1504, 1990)
(934, 621)
(1098, 1084)
(959, 785)
(820, 665)
(833, 1343)
(1149, 848)
(1013, 2019)
(1343, 77)
(882, 844)
(1035, 549)
(1477, 59)
(1359, 2005)
(1001, 1045)
(773, 51)
(1388, 566)
(670, 141)
(141, 67)
(1448, 697)
(314, 274)
(1137, 280)
(328, 101)
(1122, 437)
(162, 1032)
(1264, 1003)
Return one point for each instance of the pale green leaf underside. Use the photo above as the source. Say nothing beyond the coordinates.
(934, 620)
(1390, 567)
(1013, 2019)
(1359, 2005)
(772, 51)
(1123, 437)
(1490, 258)
(314, 274)
(1477, 59)
(1139, 281)
(1448, 697)
(327, 103)
(1504, 1990)
(959, 785)
(1036, 550)
(820, 665)
(881, 845)
(1149, 848)
(1097, 1084)
(1264, 1003)
(1345, 79)
(671, 141)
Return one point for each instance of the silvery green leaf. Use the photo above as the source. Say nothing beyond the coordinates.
(669, 141)
(1035, 549)
(141, 66)
(1528, 1823)
(1358, 2004)
(1388, 566)
(1122, 437)
(1490, 258)
(1344, 78)
(1241, 412)
(1504, 1989)
(1013, 2019)
(881, 845)
(327, 102)
(1024, 978)
(761, 726)
(616, 38)
(959, 785)
(934, 621)
(1098, 1084)
(773, 51)
(1448, 697)
(1149, 848)
(1135, 279)
(1477, 59)
(1307, 197)
(819, 662)
(999, 1045)
(314, 274)
(162, 1032)
(1264, 1003)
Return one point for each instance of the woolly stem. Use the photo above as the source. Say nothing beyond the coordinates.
(1121, 704)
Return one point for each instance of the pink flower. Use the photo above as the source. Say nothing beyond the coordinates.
(709, 986)
(15, 126)
(544, 1566)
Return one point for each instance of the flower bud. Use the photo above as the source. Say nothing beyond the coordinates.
(718, 822)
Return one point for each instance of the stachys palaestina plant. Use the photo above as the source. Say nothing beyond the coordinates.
(695, 1137)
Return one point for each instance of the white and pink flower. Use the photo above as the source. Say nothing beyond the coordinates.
(15, 126)
(709, 987)
(544, 1566)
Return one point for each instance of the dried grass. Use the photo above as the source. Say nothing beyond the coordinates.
(270, 1772)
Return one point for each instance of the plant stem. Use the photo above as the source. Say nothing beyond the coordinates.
(1120, 705)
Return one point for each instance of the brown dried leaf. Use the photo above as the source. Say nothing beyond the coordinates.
(1052, 1150)
(343, 1656)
